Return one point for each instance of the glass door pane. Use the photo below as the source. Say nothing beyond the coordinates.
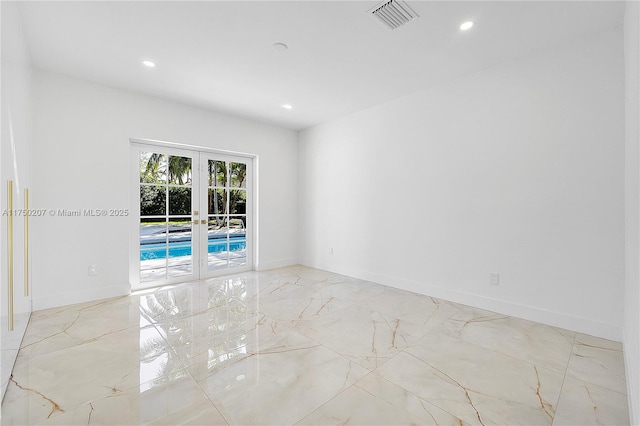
(217, 248)
(226, 207)
(237, 241)
(166, 205)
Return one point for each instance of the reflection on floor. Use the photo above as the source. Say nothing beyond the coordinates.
(177, 266)
(300, 345)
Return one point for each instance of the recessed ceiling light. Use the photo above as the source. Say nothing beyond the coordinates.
(280, 47)
(466, 25)
(148, 64)
(287, 106)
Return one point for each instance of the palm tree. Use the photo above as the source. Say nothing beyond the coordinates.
(158, 170)
(217, 177)
(177, 169)
(238, 174)
(237, 196)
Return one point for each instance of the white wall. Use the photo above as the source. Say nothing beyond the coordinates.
(81, 160)
(518, 169)
(632, 208)
(14, 165)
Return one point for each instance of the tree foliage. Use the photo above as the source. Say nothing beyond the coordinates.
(163, 176)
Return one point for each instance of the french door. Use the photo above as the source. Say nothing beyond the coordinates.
(193, 215)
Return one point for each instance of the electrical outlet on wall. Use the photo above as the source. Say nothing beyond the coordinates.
(93, 269)
(494, 278)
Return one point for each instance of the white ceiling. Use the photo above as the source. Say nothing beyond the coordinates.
(218, 55)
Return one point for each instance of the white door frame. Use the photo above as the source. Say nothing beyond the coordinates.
(197, 153)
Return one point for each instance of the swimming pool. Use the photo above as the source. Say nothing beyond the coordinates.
(183, 248)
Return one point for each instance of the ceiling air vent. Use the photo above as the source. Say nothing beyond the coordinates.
(393, 13)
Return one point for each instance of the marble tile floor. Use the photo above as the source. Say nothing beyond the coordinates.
(303, 346)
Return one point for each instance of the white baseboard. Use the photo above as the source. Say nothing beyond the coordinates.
(531, 313)
(88, 295)
(281, 263)
(630, 365)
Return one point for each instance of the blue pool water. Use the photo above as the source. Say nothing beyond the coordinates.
(183, 248)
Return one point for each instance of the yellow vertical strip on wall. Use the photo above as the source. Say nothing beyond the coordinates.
(10, 251)
(26, 241)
